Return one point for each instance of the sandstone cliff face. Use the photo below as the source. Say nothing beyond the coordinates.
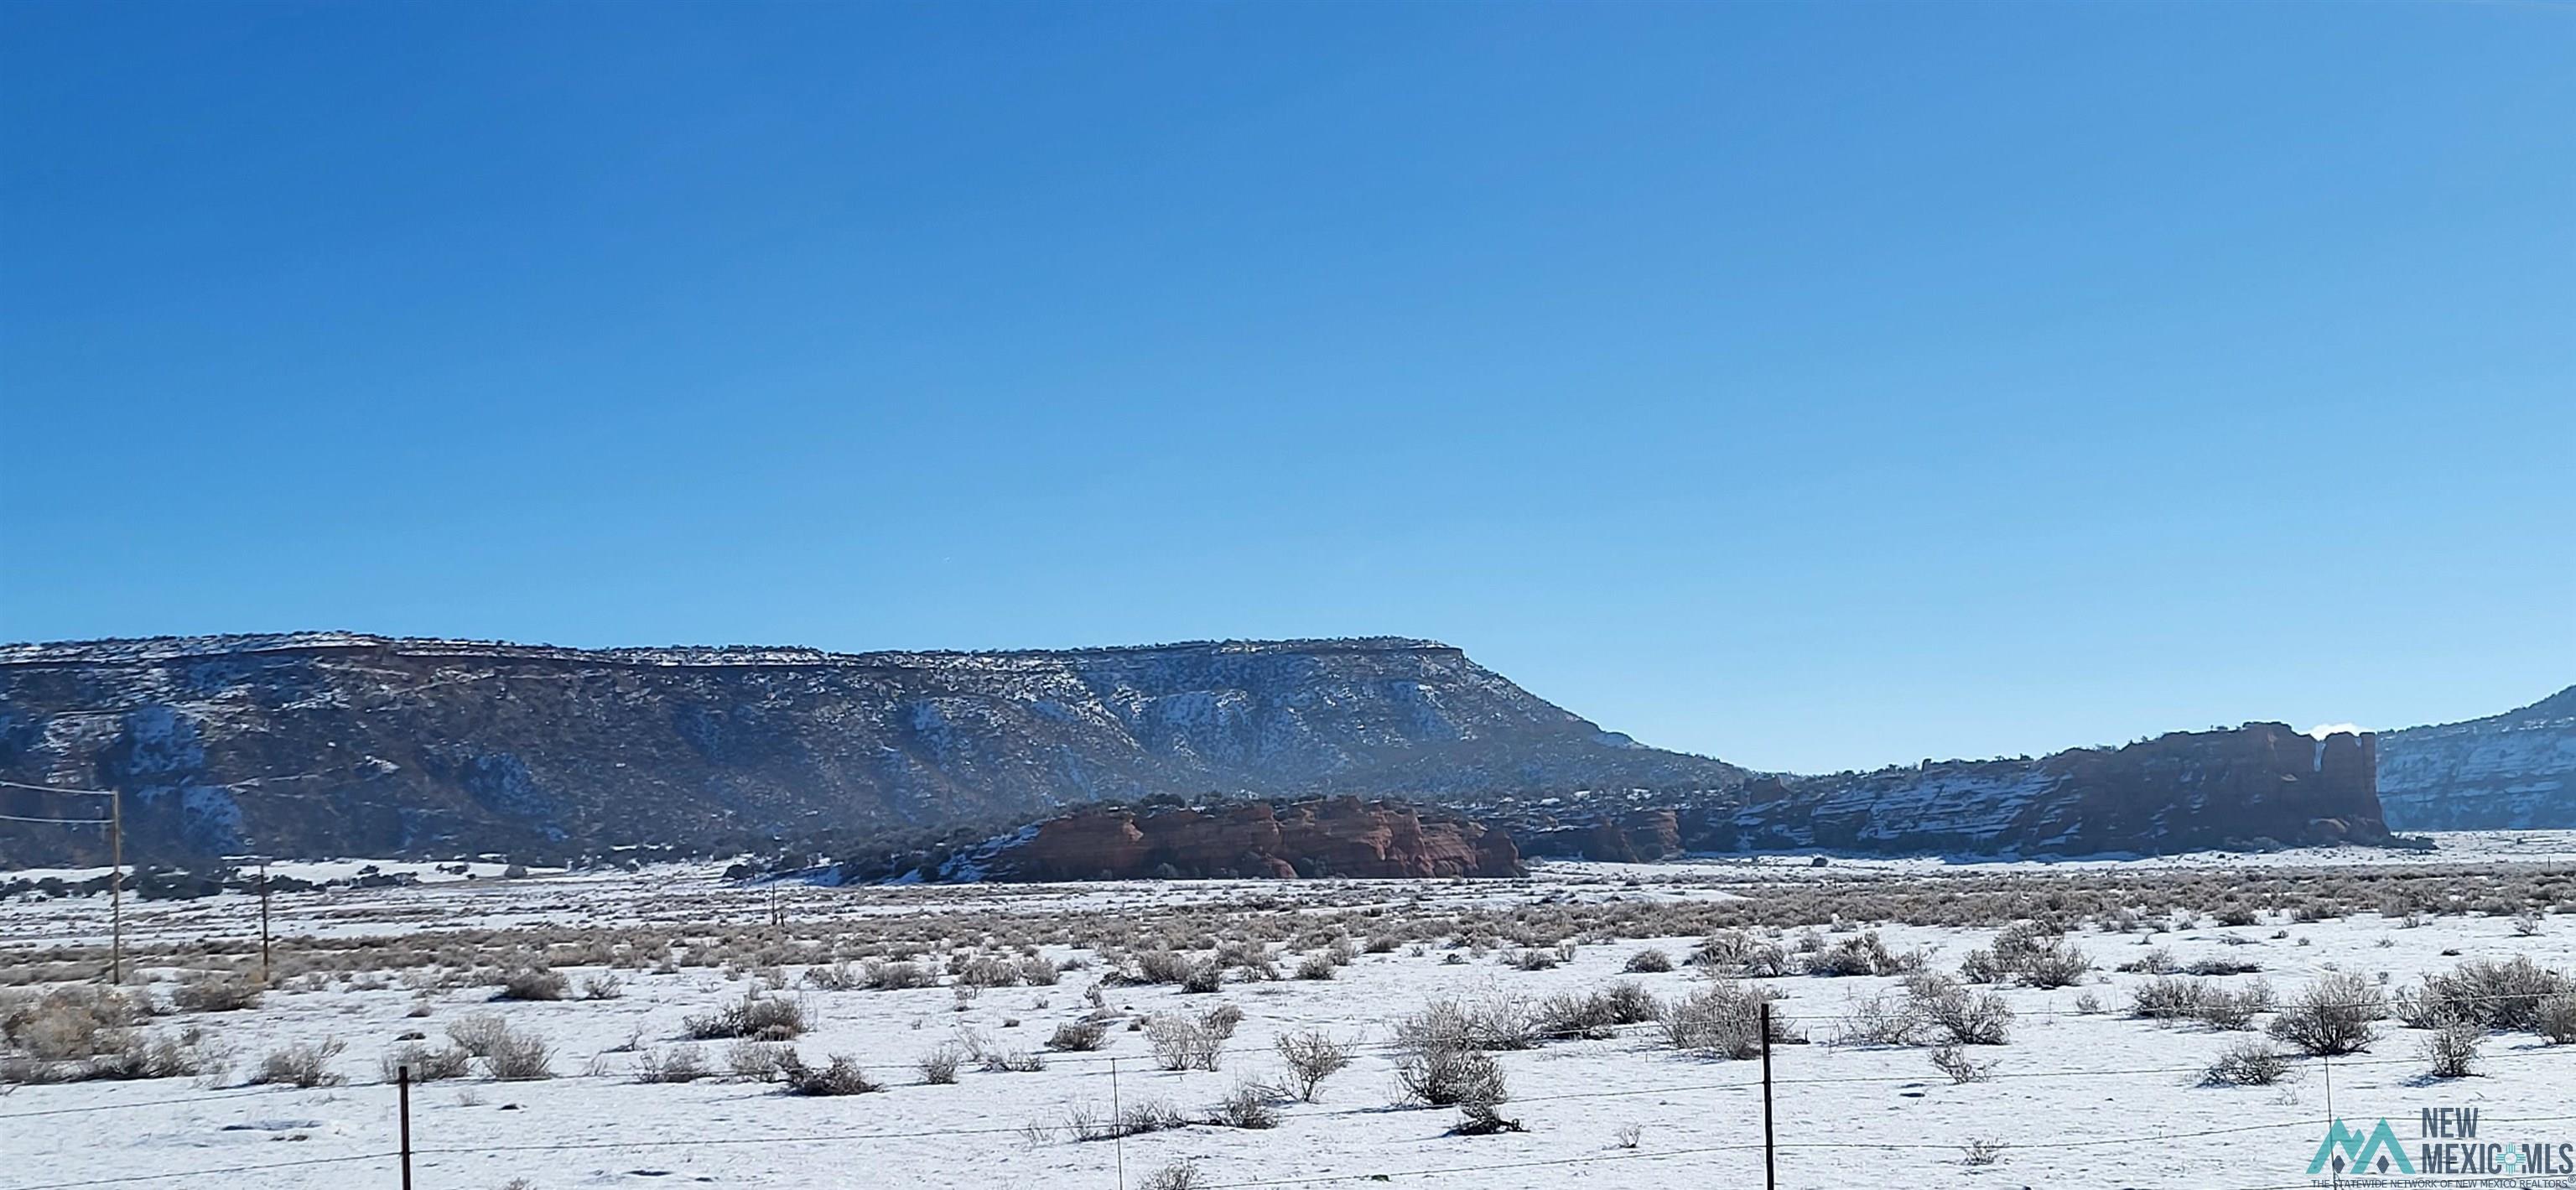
(339, 744)
(2514, 771)
(1338, 837)
(2262, 784)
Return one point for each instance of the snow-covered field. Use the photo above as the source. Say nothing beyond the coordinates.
(2078, 1096)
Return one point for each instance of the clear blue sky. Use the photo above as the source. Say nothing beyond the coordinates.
(1810, 386)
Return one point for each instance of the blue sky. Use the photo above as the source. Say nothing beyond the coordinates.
(1810, 386)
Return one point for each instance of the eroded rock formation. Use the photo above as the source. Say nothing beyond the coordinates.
(1343, 837)
(2257, 786)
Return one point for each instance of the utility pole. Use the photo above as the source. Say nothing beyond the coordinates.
(263, 921)
(1117, 1125)
(2334, 1174)
(1770, 1154)
(115, 882)
(402, 1088)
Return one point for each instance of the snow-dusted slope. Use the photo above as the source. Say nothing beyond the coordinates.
(2514, 771)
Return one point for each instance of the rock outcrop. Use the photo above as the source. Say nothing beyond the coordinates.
(2257, 786)
(2514, 771)
(320, 744)
(1337, 837)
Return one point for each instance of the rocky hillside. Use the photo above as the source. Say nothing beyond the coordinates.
(1342, 837)
(2257, 786)
(2516, 770)
(341, 744)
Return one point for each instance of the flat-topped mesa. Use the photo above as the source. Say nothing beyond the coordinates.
(2514, 771)
(130, 650)
(321, 744)
(1335, 837)
(2257, 786)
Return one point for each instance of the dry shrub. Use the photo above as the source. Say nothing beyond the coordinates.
(1722, 1020)
(1160, 966)
(186, 1055)
(427, 1064)
(1182, 1043)
(1450, 1076)
(939, 1067)
(1860, 954)
(1961, 1016)
(1248, 1105)
(1151, 1115)
(520, 1056)
(2453, 1049)
(1203, 978)
(2248, 1063)
(2332, 1016)
(1955, 1062)
(1648, 962)
(756, 1017)
(985, 971)
(1736, 954)
(215, 993)
(306, 1065)
(839, 977)
(537, 982)
(839, 1076)
(2058, 966)
(68, 1023)
(2496, 995)
(2557, 1018)
(1312, 1057)
(1011, 1062)
(1492, 1023)
(883, 976)
(1078, 1036)
(1882, 1020)
(757, 1061)
(476, 1033)
(678, 1064)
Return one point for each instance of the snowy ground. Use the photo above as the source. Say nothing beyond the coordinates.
(2077, 1098)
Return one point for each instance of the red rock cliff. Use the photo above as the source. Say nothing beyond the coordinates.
(1334, 837)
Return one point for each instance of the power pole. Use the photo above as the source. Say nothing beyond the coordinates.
(1117, 1125)
(263, 922)
(115, 882)
(402, 1088)
(1770, 1153)
(2334, 1176)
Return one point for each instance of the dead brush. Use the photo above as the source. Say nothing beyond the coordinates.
(215, 993)
(305, 1065)
(755, 1017)
(1182, 1043)
(426, 1063)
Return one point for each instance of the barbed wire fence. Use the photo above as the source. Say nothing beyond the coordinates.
(1780, 1148)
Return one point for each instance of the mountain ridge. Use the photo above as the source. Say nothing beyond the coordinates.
(2515, 770)
(408, 746)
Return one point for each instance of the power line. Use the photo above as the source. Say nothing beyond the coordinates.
(172, 1101)
(67, 821)
(201, 1173)
(59, 789)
